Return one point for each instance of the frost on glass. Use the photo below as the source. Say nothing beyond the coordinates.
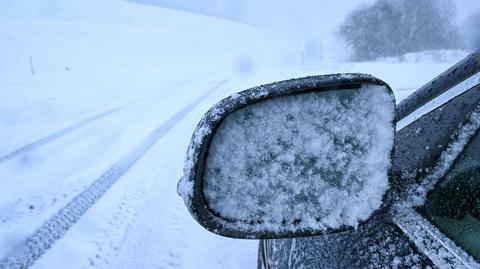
(318, 160)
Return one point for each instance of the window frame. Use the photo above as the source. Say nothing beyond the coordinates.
(429, 239)
(440, 249)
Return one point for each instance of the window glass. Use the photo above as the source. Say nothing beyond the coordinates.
(454, 205)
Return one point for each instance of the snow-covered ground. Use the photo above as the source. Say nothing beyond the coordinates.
(83, 84)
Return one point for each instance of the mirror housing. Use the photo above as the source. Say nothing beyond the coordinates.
(208, 197)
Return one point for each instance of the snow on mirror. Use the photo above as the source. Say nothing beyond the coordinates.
(314, 160)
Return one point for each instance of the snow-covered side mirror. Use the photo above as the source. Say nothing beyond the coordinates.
(300, 157)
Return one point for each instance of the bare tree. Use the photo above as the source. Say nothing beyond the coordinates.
(472, 31)
(392, 28)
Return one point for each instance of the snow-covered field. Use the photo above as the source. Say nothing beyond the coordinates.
(98, 99)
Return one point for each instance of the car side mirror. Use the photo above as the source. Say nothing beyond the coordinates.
(300, 157)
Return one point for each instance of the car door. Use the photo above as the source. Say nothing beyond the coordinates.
(430, 121)
(438, 150)
(447, 227)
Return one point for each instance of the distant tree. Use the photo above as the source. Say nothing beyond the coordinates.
(393, 28)
(472, 31)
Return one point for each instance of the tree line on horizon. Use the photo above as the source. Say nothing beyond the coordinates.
(392, 28)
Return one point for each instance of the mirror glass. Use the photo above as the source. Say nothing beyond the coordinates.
(312, 160)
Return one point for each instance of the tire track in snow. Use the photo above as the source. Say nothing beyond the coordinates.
(58, 134)
(49, 138)
(15, 213)
(34, 246)
(118, 224)
(175, 253)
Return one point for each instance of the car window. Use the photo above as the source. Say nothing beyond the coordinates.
(453, 206)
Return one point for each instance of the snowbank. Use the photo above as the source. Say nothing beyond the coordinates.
(430, 56)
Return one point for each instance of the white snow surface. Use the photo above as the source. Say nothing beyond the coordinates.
(318, 157)
(66, 61)
(433, 56)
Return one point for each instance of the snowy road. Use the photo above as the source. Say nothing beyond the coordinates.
(140, 204)
(40, 142)
(56, 135)
(54, 228)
